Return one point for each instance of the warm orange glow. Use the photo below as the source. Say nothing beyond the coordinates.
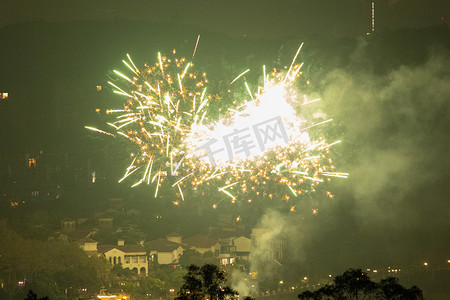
(31, 162)
(115, 297)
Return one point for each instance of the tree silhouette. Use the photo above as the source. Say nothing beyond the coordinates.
(391, 289)
(193, 257)
(205, 282)
(355, 284)
(32, 296)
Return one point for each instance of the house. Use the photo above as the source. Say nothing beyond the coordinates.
(174, 237)
(105, 220)
(89, 245)
(68, 224)
(234, 249)
(164, 252)
(203, 244)
(76, 230)
(243, 247)
(133, 257)
(227, 254)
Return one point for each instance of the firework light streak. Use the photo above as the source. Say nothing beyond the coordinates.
(196, 45)
(158, 110)
(299, 164)
(165, 117)
(100, 131)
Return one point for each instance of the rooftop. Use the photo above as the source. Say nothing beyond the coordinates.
(200, 241)
(123, 248)
(161, 245)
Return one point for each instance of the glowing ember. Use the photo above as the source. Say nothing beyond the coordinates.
(259, 149)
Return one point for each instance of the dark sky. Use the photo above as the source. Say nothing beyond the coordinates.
(237, 17)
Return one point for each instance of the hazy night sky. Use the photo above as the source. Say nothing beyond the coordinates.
(236, 17)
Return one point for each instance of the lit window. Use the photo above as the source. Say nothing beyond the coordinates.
(31, 162)
(99, 87)
(4, 96)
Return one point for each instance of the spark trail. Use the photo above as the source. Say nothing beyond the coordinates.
(260, 149)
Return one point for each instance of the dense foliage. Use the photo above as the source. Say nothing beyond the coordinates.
(205, 281)
(354, 284)
(53, 268)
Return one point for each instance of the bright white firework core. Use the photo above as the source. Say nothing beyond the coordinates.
(262, 124)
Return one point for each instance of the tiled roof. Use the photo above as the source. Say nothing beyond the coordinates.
(161, 245)
(68, 219)
(200, 241)
(86, 240)
(79, 232)
(123, 248)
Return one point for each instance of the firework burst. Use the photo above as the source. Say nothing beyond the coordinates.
(261, 148)
(162, 103)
